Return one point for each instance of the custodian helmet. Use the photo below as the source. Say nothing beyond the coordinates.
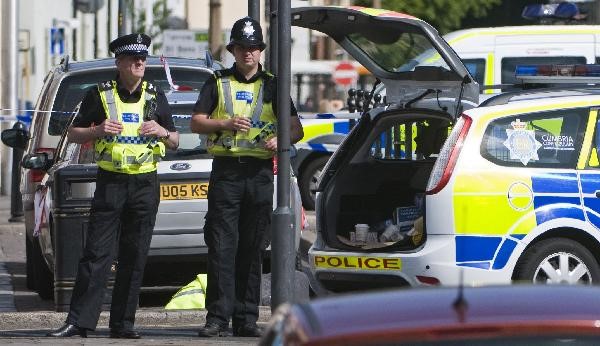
(246, 32)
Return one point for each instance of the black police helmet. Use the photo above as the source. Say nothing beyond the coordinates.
(132, 44)
(246, 32)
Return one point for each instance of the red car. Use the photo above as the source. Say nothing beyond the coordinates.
(499, 315)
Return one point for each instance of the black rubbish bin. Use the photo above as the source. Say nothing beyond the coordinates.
(16, 203)
(74, 187)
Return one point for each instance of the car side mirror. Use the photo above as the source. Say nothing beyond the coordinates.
(15, 138)
(37, 161)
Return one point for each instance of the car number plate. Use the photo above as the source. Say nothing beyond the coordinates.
(183, 191)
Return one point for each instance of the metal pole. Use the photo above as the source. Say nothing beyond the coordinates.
(96, 35)
(74, 33)
(16, 203)
(283, 249)
(109, 26)
(9, 81)
(254, 9)
(215, 34)
(273, 35)
(122, 18)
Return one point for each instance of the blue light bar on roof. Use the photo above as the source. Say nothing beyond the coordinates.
(591, 70)
(563, 10)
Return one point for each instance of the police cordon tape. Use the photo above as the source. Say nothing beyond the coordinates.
(26, 118)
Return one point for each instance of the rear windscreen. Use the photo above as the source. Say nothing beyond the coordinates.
(72, 89)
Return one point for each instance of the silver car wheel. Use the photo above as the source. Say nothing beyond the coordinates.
(562, 268)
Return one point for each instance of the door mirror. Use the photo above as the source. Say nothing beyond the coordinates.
(37, 161)
(15, 138)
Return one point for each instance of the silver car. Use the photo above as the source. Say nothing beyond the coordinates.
(64, 87)
(177, 251)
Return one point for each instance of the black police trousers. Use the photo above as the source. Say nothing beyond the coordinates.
(240, 204)
(124, 210)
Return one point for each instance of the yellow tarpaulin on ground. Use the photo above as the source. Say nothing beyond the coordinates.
(190, 296)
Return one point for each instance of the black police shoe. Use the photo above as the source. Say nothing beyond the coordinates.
(124, 334)
(212, 329)
(67, 331)
(249, 330)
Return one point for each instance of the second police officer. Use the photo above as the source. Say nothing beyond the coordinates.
(238, 111)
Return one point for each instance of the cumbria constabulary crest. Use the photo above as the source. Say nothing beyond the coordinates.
(248, 30)
(139, 38)
(521, 143)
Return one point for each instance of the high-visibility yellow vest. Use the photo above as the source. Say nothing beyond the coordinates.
(127, 152)
(243, 99)
(190, 296)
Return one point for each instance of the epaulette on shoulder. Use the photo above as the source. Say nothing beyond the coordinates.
(268, 75)
(105, 86)
(150, 88)
(223, 73)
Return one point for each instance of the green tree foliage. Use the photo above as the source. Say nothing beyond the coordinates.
(160, 12)
(444, 15)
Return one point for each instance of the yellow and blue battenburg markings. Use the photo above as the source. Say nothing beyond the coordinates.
(494, 232)
(323, 124)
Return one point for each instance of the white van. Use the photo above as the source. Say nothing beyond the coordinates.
(491, 54)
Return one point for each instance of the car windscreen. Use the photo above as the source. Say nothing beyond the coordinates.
(191, 145)
(73, 87)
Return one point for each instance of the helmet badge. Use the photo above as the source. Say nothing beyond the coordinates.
(248, 29)
(139, 38)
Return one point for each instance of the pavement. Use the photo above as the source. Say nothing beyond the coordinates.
(17, 317)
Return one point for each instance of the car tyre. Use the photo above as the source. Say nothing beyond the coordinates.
(308, 181)
(558, 261)
(30, 282)
(43, 277)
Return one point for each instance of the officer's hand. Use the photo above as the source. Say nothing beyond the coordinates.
(152, 128)
(271, 144)
(239, 123)
(109, 127)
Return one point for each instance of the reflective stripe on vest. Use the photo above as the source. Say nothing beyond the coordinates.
(229, 103)
(128, 152)
(234, 96)
(190, 296)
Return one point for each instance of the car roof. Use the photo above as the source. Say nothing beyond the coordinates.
(523, 30)
(152, 61)
(418, 309)
(537, 94)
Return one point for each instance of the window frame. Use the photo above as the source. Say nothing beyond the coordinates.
(583, 114)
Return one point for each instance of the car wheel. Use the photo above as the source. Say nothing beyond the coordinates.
(558, 261)
(29, 263)
(43, 277)
(308, 181)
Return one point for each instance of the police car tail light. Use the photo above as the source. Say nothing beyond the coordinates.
(36, 175)
(428, 280)
(444, 165)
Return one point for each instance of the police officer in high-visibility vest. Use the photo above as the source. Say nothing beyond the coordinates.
(130, 122)
(238, 111)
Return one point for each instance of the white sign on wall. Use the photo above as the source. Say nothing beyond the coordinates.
(185, 43)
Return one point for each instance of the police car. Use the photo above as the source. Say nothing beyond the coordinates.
(422, 194)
